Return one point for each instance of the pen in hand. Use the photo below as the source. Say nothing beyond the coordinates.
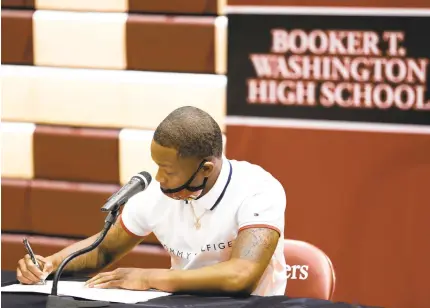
(32, 256)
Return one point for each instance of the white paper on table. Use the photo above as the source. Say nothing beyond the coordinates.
(77, 289)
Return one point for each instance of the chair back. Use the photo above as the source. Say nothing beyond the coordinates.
(310, 271)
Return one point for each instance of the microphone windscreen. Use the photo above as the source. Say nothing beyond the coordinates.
(147, 176)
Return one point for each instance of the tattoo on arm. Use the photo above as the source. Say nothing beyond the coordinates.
(115, 243)
(105, 257)
(256, 244)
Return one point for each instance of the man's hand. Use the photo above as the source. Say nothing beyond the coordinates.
(28, 273)
(124, 278)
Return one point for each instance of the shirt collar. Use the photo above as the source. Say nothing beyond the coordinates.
(212, 196)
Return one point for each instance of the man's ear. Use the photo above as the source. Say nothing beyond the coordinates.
(208, 168)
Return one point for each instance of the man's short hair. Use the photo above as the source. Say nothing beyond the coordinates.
(192, 132)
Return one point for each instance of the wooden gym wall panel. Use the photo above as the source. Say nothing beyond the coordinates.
(73, 208)
(13, 249)
(190, 44)
(171, 43)
(17, 150)
(76, 154)
(74, 39)
(15, 211)
(135, 153)
(367, 195)
(28, 4)
(143, 256)
(106, 98)
(338, 3)
(177, 7)
(198, 7)
(17, 37)
(83, 5)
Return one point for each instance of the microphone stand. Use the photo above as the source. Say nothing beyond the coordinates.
(58, 301)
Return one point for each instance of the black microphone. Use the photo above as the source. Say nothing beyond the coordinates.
(137, 183)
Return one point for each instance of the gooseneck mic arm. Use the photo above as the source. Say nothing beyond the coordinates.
(138, 183)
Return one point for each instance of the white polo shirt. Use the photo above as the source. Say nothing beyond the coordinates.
(244, 196)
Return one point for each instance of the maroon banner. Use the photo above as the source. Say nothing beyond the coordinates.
(339, 3)
(305, 103)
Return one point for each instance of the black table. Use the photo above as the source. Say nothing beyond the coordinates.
(34, 300)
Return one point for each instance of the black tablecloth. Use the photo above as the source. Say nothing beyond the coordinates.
(20, 300)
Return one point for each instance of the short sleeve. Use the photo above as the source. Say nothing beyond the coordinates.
(135, 214)
(264, 209)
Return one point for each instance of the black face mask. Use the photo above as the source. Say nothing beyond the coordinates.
(186, 185)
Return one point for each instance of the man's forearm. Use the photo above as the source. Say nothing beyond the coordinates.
(225, 277)
(86, 263)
